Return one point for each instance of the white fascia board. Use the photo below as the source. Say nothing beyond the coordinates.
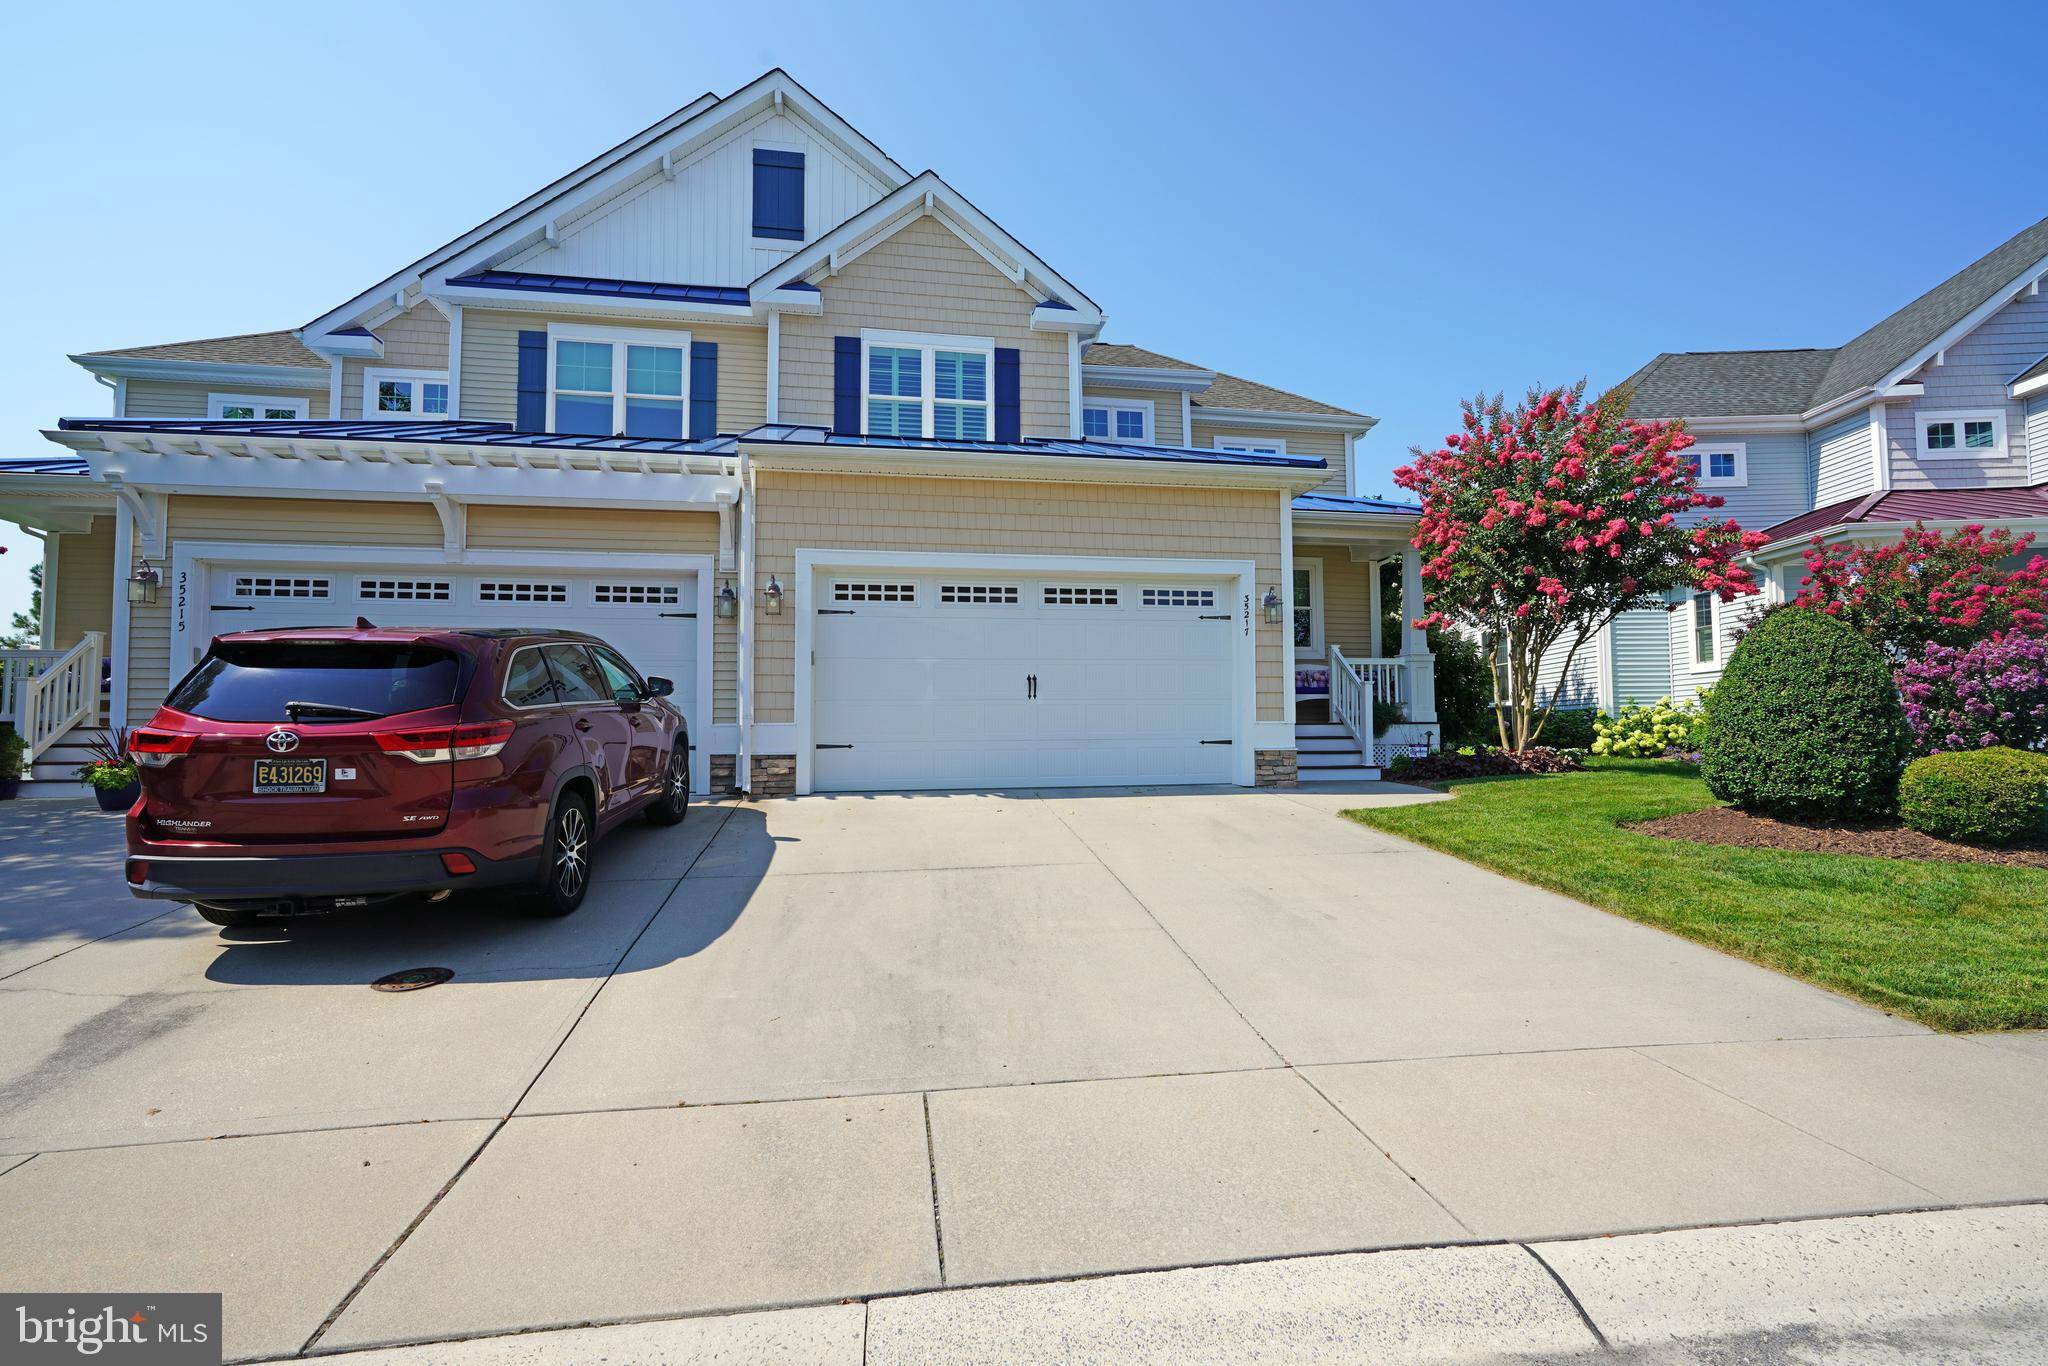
(1066, 320)
(1969, 323)
(206, 372)
(1257, 417)
(807, 301)
(369, 347)
(928, 194)
(1019, 465)
(596, 306)
(2020, 388)
(280, 467)
(1146, 377)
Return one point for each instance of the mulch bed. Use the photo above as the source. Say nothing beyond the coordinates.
(1725, 825)
(1491, 763)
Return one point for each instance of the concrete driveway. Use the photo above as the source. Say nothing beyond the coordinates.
(840, 1048)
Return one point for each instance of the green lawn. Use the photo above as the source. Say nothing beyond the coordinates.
(1953, 945)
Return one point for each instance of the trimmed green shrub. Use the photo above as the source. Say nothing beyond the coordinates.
(1464, 690)
(12, 748)
(1979, 796)
(1805, 721)
(1568, 728)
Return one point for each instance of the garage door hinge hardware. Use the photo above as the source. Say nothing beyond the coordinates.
(831, 746)
(691, 615)
(835, 611)
(231, 607)
(1216, 616)
(1216, 742)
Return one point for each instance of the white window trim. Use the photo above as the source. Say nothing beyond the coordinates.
(621, 338)
(216, 402)
(928, 342)
(1704, 449)
(1318, 635)
(1692, 650)
(1245, 444)
(1112, 406)
(1998, 450)
(373, 377)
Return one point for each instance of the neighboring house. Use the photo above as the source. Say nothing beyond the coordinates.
(1938, 414)
(805, 431)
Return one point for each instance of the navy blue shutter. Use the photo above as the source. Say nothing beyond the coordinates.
(846, 385)
(1009, 413)
(703, 390)
(778, 194)
(533, 382)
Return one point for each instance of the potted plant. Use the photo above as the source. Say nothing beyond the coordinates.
(12, 747)
(110, 771)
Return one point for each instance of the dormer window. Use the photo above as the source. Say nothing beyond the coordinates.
(405, 395)
(1125, 420)
(1965, 436)
(778, 194)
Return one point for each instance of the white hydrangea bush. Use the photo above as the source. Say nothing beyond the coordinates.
(1646, 732)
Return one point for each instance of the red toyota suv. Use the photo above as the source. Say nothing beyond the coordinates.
(300, 771)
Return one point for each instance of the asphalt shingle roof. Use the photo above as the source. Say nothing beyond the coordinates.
(247, 348)
(1743, 383)
(1228, 391)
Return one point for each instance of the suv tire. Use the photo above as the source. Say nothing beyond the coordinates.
(674, 802)
(564, 877)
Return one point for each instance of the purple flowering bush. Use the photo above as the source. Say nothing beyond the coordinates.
(1994, 692)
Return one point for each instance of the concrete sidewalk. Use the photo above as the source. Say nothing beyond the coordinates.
(1950, 1285)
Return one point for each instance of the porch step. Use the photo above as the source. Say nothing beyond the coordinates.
(1347, 758)
(1319, 730)
(1356, 773)
(1326, 744)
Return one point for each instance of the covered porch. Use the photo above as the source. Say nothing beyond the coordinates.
(1364, 678)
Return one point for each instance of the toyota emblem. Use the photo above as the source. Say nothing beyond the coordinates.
(282, 741)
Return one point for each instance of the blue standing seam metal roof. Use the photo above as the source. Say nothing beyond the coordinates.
(1334, 502)
(68, 465)
(502, 434)
(592, 287)
(786, 434)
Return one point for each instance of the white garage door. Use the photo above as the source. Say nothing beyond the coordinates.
(650, 618)
(988, 680)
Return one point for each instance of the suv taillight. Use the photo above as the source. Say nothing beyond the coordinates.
(156, 748)
(442, 744)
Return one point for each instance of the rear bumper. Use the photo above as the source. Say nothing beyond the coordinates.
(285, 877)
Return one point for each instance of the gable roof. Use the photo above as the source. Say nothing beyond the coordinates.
(244, 348)
(1226, 391)
(1772, 383)
(1726, 383)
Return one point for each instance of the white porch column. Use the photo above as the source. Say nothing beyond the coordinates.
(1420, 665)
(1373, 608)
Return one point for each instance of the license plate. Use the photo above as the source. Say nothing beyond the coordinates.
(290, 775)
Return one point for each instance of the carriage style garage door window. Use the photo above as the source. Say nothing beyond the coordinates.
(967, 679)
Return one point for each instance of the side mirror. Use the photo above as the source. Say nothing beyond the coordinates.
(658, 687)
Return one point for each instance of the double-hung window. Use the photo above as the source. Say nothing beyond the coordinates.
(1125, 420)
(254, 408)
(927, 386)
(1966, 436)
(404, 395)
(1705, 646)
(618, 381)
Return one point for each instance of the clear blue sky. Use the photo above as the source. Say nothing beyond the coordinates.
(1385, 207)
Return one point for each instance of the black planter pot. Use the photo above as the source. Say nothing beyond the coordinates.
(10, 788)
(118, 798)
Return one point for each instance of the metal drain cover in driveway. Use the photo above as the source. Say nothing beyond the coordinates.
(412, 979)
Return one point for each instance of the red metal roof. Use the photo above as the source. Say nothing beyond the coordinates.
(1919, 505)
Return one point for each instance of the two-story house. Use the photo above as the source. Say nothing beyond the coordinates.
(1938, 414)
(805, 431)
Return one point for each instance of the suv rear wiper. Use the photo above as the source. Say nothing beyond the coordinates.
(293, 710)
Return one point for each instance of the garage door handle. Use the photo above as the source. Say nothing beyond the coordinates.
(835, 611)
(231, 607)
(1215, 616)
(1216, 742)
(831, 746)
(679, 614)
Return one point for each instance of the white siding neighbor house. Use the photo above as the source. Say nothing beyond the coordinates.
(805, 431)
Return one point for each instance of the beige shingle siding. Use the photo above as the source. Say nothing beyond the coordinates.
(1347, 600)
(82, 598)
(414, 340)
(1328, 445)
(155, 398)
(1000, 517)
(490, 365)
(1166, 426)
(924, 279)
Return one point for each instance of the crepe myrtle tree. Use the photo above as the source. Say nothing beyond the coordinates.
(1544, 521)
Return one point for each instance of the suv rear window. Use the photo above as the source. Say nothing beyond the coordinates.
(252, 680)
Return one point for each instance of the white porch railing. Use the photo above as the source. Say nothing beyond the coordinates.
(1387, 678)
(58, 692)
(17, 667)
(1351, 699)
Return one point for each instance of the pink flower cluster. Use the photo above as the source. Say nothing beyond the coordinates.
(1929, 587)
(1994, 692)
